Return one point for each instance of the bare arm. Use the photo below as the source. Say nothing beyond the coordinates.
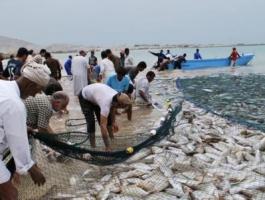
(129, 112)
(104, 131)
(142, 94)
(45, 130)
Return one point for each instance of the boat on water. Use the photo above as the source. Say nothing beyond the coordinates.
(216, 62)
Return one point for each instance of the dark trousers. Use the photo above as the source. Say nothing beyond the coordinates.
(89, 109)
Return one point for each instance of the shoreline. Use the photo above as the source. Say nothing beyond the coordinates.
(136, 47)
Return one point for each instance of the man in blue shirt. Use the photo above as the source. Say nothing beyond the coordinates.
(197, 55)
(68, 66)
(119, 81)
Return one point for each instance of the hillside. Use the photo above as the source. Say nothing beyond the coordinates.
(10, 45)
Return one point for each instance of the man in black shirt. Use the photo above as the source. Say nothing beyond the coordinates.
(13, 69)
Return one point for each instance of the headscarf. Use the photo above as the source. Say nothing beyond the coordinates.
(38, 59)
(36, 73)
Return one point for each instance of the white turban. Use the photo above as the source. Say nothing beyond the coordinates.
(36, 73)
(38, 59)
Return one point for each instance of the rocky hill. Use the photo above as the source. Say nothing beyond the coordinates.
(10, 45)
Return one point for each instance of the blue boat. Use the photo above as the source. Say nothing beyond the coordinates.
(213, 63)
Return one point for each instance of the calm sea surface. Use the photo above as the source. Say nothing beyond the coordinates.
(256, 66)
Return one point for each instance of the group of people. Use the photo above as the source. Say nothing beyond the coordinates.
(103, 88)
(23, 84)
(166, 59)
(30, 93)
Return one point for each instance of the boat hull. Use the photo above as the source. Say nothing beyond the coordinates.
(213, 63)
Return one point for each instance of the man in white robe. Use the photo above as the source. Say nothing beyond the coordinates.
(80, 71)
(13, 129)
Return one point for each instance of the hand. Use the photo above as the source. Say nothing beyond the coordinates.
(115, 128)
(16, 179)
(30, 130)
(36, 175)
(8, 191)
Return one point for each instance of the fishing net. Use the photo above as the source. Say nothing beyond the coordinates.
(68, 178)
(237, 98)
(76, 144)
(193, 161)
(72, 167)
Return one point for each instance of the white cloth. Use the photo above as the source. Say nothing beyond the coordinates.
(101, 95)
(169, 56)
(79, 71)
(142, 85)
(38, 59)
(128, 61)
(37, 73)
(106, 69)
(13, 130)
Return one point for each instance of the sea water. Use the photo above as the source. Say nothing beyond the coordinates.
(257, 65)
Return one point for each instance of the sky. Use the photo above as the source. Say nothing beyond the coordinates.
(118, 22)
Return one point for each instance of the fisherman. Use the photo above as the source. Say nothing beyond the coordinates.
(128, 59)
(197, 55)
(14, 136)
(142, 89)
(54, 66)
(40, 109)
(179, 61)
(234, 56)
(12, 71)
(134, 71)
(68, 66)
(169, 55)
(106, 68)
(122, 58)
(53, 86)
(115, 59)
(121, 83)
(162, 60)
(101, 100)
(92, 60)
(42, 54)
(80, 71)
(95, 71)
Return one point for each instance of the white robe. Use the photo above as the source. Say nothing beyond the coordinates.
(79, 71)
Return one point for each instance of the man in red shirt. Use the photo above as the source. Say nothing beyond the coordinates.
(234, 56)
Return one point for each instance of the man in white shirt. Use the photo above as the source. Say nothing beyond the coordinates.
(14, 136)
(101, 100)
(128, 59)
(142, 89)
(106, 68)
(80, 71)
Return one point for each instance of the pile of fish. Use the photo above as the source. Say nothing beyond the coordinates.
(239, 98)
(207, 158)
